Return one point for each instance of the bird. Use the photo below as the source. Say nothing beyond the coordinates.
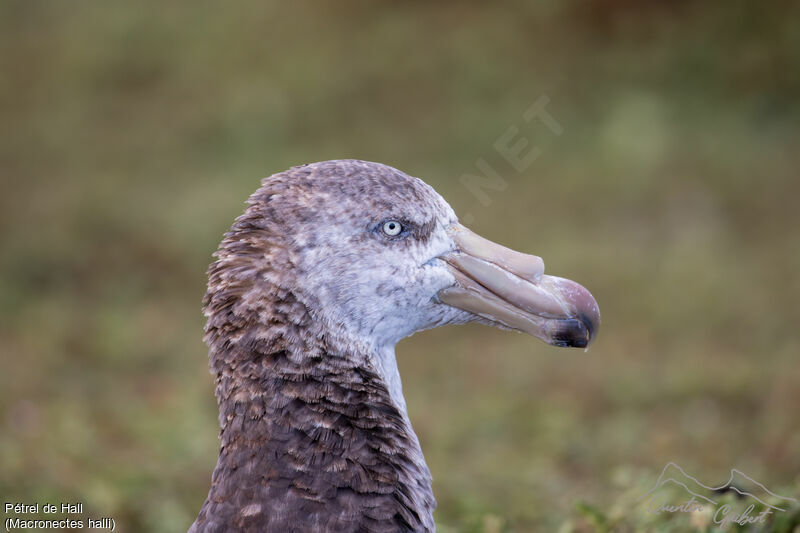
(330, 265)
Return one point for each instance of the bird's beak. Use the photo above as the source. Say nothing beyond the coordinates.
(510, 289)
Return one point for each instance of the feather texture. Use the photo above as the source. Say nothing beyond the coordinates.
(311, 437)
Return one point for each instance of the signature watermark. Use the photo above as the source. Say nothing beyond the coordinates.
(755, 502)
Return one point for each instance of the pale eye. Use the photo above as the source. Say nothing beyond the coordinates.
(392, 228)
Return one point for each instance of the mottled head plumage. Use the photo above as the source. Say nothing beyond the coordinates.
(315, 230)
(330, 265)
(305, 302)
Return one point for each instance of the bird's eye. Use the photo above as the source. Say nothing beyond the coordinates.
(392, 228)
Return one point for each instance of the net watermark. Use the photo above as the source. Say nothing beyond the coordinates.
(517, 151)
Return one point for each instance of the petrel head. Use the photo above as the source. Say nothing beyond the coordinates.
(377, 255)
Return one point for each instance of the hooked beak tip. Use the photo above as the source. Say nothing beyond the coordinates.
(575, 332)
(582, 329)
(590, 324)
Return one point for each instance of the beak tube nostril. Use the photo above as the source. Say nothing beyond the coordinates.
(510, 289)
(528, 267)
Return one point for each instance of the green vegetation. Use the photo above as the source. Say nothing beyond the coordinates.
(133, 133)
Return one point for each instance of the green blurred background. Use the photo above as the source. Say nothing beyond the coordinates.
(133, 132)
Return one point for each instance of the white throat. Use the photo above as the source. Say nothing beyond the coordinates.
(386, 364)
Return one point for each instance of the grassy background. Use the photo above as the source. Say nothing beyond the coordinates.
(132, 133)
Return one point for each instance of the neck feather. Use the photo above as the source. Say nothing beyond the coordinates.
(314, 433)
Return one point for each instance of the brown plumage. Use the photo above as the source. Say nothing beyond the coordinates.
(306, 299)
